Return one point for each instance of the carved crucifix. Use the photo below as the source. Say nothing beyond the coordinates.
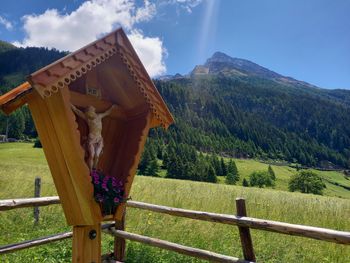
(95, 139)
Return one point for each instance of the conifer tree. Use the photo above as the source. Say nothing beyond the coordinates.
(223, 167)
(216, 164)
(211, 175)
(271, 173)
(173, 167)
(152, 168)
(165, 160)
(160, 152)
(245, 183)
(145, 161)
(232, 173)
(149, 165)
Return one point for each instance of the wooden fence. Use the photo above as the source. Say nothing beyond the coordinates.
(241, 220)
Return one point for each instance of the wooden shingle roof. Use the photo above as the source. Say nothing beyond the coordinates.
(62, 72)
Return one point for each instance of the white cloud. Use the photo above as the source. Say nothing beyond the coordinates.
(7, 24)
(70, 31)
(92, 19)
(151, 52)
(188, 5)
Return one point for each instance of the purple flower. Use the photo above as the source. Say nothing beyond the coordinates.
(108, 190)
(104, 186)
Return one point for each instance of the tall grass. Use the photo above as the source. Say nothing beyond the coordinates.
(17, 179)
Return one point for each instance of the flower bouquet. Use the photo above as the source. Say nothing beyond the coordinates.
(108, 192)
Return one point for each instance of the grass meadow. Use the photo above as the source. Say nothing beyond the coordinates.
(20, 164)
(283, 174)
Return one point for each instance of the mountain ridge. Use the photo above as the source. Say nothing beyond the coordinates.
(257, 112)
(243, 113)
(222, 64)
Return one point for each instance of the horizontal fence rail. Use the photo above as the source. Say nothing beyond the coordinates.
(189, 251)
(35, 242)
(28, 202)
(340, 237)
(41, 241)
(109, 229)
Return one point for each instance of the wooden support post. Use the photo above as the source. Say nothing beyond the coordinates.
(87, 244)
(37, 189)
(119, 242)
(244, 232)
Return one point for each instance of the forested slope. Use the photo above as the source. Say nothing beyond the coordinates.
(254, 117)
(237, 108)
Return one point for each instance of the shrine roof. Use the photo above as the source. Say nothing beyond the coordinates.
(61, 73)
(13, 96)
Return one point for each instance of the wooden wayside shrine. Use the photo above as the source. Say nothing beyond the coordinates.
(104, 73)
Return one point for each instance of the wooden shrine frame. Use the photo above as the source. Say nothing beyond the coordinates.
(104, 73)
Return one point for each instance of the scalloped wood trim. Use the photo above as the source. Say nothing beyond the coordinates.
(151, 100)
(47, 90)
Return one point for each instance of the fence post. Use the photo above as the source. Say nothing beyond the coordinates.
(37, 188)
(119, 242)
(244, 232)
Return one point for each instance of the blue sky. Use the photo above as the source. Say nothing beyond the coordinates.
(307, 40)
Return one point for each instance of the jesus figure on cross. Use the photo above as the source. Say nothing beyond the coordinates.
(95, 139)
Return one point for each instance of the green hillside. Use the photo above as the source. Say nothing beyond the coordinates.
(237, 109)
(283, 174)
(17, 63)
(5, 46)
(254, 117)
(20, 163)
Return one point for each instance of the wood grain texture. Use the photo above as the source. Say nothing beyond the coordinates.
(189, 251)
(124, 92)
(325, 234)
(85, 249)
(120, 242)
(330, 235)
(63, 120)
(112, 133)
(53, 153)
(133, 141)
(5, 98)
(244, 232)
(140, 75)
(56, 128)
(37, 191)
(40, 241)
(34, 242)
(15, 98)
(28, 202)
